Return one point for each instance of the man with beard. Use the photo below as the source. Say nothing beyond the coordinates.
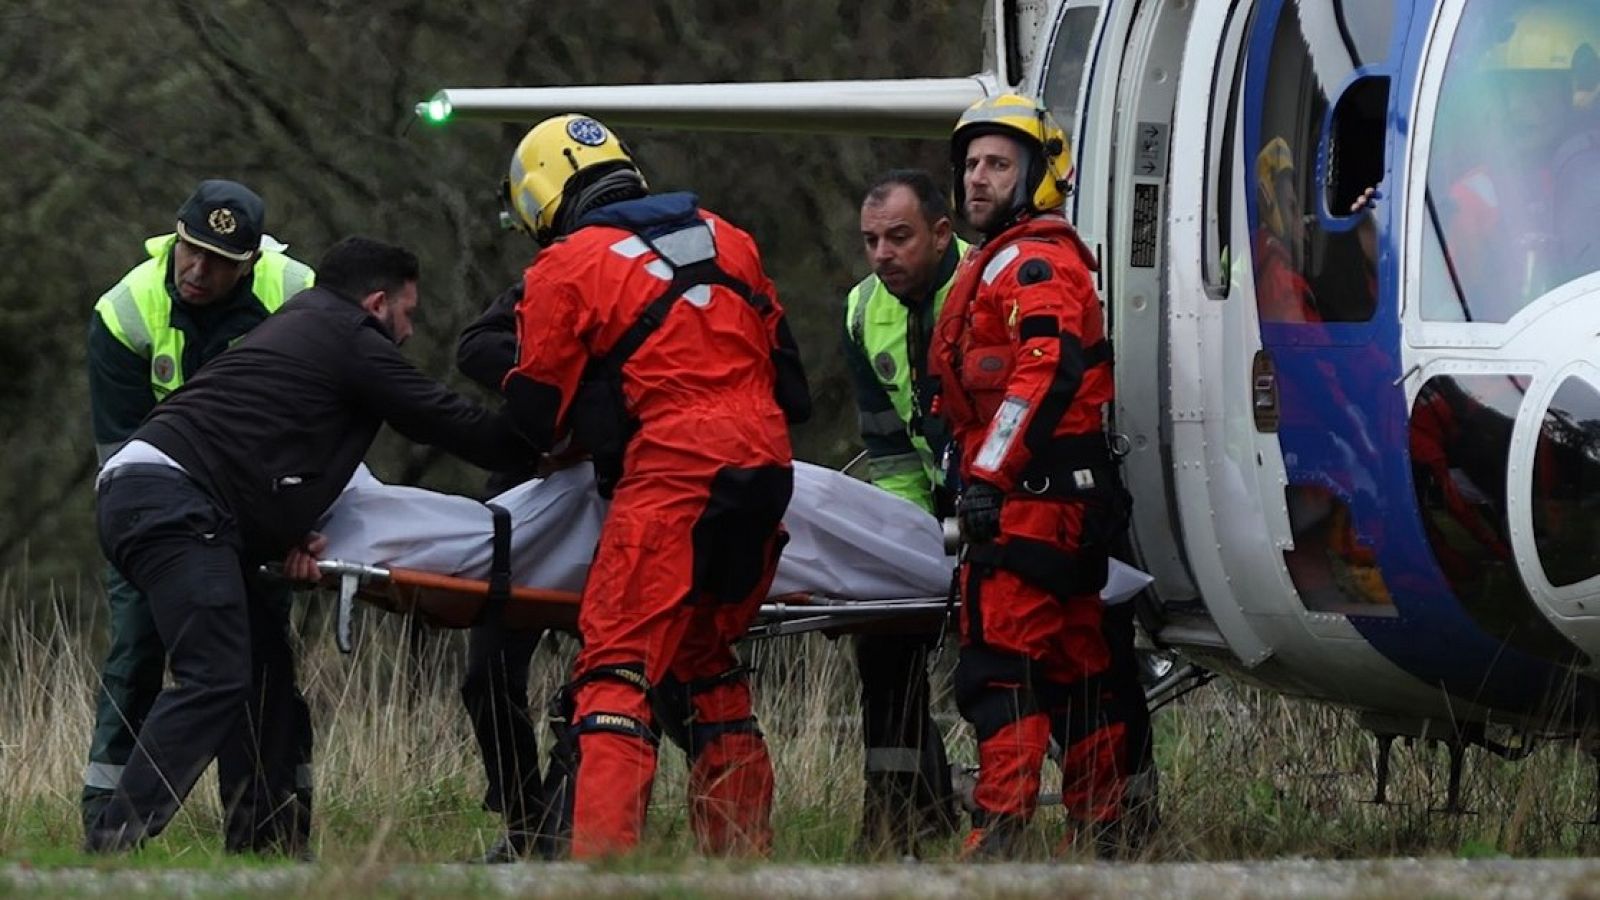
(1025, 374)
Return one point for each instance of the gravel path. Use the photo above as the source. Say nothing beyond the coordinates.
(1400, 878)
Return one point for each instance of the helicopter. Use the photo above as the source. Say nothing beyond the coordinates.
(1350, 258)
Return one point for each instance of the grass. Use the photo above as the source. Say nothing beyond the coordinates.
(1244, 774)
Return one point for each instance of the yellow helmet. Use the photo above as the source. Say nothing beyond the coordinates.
(1548, 35)
(544, 185)
(1274, 161)
(1048, 179)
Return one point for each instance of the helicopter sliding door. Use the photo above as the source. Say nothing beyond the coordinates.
(1317, 98)
(1137, 78)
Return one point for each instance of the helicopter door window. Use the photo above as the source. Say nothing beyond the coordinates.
(1355, 168)
(1069, 55)
(1512, 201)
(1566, 481)
(1227, 76)
(1333, 568)
(1305, 272)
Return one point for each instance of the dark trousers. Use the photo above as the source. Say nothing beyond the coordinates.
(495, 692)
(130, 679)
(908, 793)
(1126, 696)
(227, 647)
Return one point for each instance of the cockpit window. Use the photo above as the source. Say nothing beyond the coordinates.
(1069, 54)
(1309, 268)
(1513, 192)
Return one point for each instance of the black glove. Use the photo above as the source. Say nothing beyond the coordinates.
(979, 512)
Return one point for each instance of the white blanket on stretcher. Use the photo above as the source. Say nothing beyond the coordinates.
(846, 538)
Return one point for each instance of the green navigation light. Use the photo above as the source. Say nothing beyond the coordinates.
(436, 111)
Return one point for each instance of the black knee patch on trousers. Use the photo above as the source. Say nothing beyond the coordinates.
(733, 538)
(673, 706)
(994, 689)
(563, 710)
(1081, 711)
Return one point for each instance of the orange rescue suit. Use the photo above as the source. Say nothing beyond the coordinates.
(691, 541)
(1024, 369)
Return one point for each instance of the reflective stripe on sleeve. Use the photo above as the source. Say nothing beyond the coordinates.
(881, 467)
(103, 776)
(1002, 433)
(129, 326)
(999, 262)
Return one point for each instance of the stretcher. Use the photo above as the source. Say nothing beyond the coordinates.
(857, 556)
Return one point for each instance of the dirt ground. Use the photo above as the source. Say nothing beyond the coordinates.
(1398, 878)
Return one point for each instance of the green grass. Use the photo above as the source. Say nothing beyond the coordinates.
(1244, 774)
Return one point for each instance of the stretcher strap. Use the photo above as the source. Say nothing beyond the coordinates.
(494, 607)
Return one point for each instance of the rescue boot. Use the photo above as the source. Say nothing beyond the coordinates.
(513, 846)
(889, 827)
(995, 837)
(1105, 840)
(1141, 812)
(92, 802)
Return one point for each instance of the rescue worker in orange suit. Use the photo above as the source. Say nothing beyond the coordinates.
(1025, 369)
(649, 328)
(1282, 293)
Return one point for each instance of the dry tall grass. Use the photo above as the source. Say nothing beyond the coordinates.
(1243, 773)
